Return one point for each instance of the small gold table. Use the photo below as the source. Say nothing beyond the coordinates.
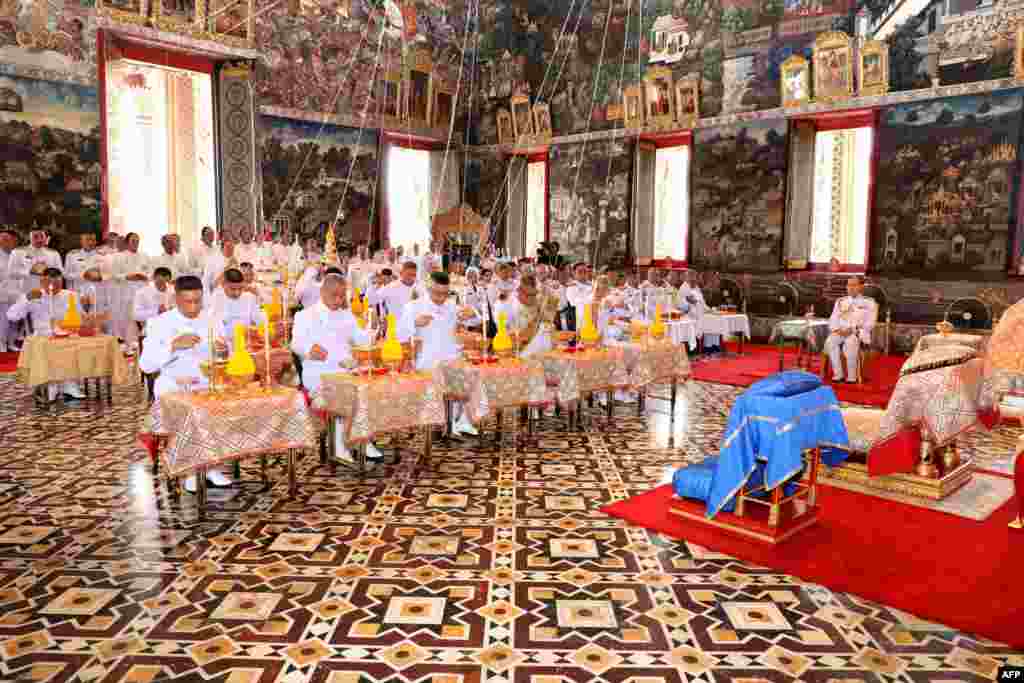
(45, 360)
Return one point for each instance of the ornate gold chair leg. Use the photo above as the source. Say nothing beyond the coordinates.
(263, 470)
(291, 473)
(428, 441)
(201, 494)
(775, 512)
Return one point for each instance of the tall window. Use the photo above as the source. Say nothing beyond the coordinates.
(408, 197)
(842, 174)
(536, 205)
(671, 202)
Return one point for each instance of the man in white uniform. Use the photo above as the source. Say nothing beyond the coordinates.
(580, 292)
(406, 288)
(231, 305)
(87, 267)
(44, 304)
(9, 291)
(323, 336)
(504, 286)
(247, 250)
(177, 341)
(433, 320)
(529, 315)
(852, 321)
(26, 264)
(202, 252)
(217, 263)
(154, 300)
(131, 273)
(172, 259)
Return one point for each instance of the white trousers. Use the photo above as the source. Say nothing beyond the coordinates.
(6, 328)
(836, 347)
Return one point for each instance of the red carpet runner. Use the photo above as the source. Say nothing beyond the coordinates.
(960, 573)
(8, 362)
(761, 360)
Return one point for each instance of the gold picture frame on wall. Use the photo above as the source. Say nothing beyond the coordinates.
(127, 11)
(522, 117)
(688, 101)
(173, 16)
(506, 132)
(419, 84)
(231, 21)
(542, 121)
(633, 107)
(392, 110)
(1018, 54)
(833, 67)
(659, 109)
(795, 81)
(874, 68)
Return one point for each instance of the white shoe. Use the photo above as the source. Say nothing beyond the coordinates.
(190, 484)
(344, 455)
(464, 426)
(73, 389)
(837, 379)
(218, 478)
(372, 453)
(623, 397)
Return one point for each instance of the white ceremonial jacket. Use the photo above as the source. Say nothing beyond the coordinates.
(395, 295)
(439, 344)
(334, 331)
(541, 341)
(228, 312)
(148, 301)
(42, 310)
(178, 264)
(855, 313)
(157, 355)
(21, 262)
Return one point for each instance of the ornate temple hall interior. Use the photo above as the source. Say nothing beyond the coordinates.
(511, 341)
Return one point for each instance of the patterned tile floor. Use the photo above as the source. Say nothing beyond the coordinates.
(477, 565)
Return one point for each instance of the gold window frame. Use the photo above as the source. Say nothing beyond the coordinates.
(506, 129)
(688, 89)
(633, 107)
(878, 83)
(542, 121)
(421, 65)
(826, 45)
(799, 66)
(654, 76)
(521, 111)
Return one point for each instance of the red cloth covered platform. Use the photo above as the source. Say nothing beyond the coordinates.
(8, 361)
(761, 360)
(958, 572)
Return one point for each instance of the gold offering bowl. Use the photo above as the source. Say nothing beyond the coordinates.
(240, 381)
(220, 371)
(944, 327)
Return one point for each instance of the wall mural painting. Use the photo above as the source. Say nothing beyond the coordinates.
(50, 173)
(341, 170)
(955, 164)
(738, 197)
(53, 41)
(590, 203)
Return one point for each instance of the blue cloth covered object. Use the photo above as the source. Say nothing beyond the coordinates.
(693, 481)
(788, 383)
(775, 426)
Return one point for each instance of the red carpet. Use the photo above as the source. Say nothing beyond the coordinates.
(939, 567)
(761, 360)
(8, 362)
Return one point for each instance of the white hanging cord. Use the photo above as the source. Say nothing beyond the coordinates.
(451, 127)
(380, 164)
(565, 60)
(622, 77)
(323, 123)
(359, 136)
(472, 102)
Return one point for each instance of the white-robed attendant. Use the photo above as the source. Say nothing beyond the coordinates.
(48, 302)
(201, 253)
(9, 292)
(474, 295)
(218, 262)
(247, 250)
(323, 336)
(528, 317)
(154, 300)
(579, 292)
(503, 287)
(131, 273)
(26, 264)
(851, 324)
(172, 259)
(394, 296)
(231, 304)
(177, 341)
(433, 321)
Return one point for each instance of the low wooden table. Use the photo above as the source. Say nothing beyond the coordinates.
(375, 405)
(204, 429)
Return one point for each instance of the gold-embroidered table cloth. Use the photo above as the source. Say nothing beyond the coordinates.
(930, 341)
(573, 375)
(64, 359)
(488, 388)
(205, 429)
(382, 404)
(653, 361)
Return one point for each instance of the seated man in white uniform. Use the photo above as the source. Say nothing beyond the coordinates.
(26, 264)
(231, 305)
(177, 341)
(579, 292)
(44, 304)
(323, 336)
(530, 317)
(474, 296)
(9, 290)
(852, 321)
(88, 268)
(172, 259)
(690, 300)
(217, 263)
(503, 286)
(131, 273)
(202, 252)
(154, 300)
(433, 321)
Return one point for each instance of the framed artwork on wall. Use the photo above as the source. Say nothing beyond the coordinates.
(688, 101)
(230, 21)
(874, 68)
(795, 81)
(419, 86)
(127, 11)
(833, 67)
(506, 133)
(542, 121)
(180, 16)
(633, 107)
(442, 105)
(391, 97)
(659, 108)
(522, 117)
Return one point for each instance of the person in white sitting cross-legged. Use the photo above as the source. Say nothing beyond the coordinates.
(852, 321)
(177, 341)
(44, 304)
(323, 336)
